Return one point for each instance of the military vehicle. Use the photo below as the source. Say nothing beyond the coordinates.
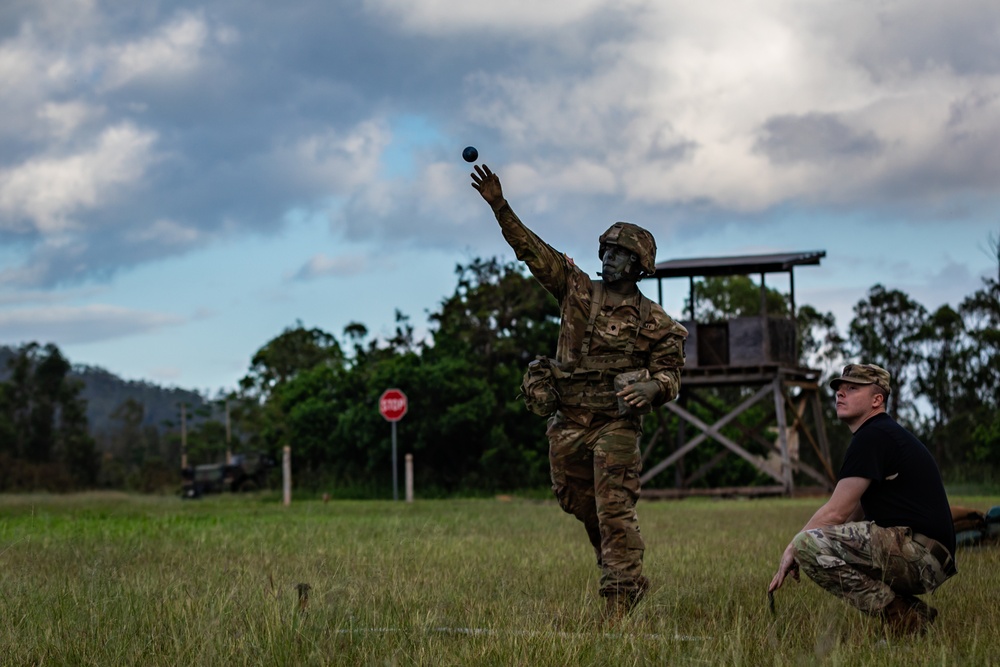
(246, 472)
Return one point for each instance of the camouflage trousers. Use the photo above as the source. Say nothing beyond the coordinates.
(867, 565)
(595, 477)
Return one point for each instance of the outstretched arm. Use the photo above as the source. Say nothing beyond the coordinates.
(488, 185)
(548, 265)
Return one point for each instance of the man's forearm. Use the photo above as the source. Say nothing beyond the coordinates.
(832, 516)
(843, 506)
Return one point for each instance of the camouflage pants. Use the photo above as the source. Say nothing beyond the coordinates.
(866, 564)
(595, 477)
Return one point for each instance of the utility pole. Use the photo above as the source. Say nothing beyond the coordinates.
(184, 440)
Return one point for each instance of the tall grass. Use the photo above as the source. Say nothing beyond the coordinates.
(99, 579)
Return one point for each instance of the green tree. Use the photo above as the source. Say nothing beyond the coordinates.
(886, 331)
(128, 442)
(296, 350)
(981, 372)
(721, 298)
(466, 426)
(820, 342)
(943, 350)
(282, 358)
(498, 313)
(498, 319)
(44, 419)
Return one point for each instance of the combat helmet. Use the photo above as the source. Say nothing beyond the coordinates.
(633, 238)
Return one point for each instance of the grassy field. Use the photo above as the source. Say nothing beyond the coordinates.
(102, 579)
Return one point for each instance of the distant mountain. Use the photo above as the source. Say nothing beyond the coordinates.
(105, 392)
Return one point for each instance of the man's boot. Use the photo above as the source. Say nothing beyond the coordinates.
(902, 618)
(641, 587)
(618, 604)
(928, 612)
(616, 607)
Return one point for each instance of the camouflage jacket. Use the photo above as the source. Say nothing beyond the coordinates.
(658, 341)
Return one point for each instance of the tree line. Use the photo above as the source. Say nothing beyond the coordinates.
(466, 425)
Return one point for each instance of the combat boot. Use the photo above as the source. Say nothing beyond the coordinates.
(641, 587)
(928, 612)
(616, 607)
(618, 604)
(902, 618)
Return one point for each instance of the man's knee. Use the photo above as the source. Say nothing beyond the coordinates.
(564, 497)
(803, 543)
(578, 502)
(810, 550)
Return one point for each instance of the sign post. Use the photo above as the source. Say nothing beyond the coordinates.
(392, 405)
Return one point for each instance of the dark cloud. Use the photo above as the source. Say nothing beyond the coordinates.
(250, 110)
(933, 37)
(813, 137)
(230, 114)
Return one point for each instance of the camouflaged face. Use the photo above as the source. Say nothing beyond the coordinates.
(863, 374)
(633, 238)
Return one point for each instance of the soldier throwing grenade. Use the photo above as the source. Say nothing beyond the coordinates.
(608, 330)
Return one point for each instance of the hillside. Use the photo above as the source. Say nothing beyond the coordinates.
(105, 392)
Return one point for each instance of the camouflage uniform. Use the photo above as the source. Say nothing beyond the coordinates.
(904, 546)
(868, 565)
(594, 451)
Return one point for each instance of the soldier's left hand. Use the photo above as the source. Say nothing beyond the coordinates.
(640, 394)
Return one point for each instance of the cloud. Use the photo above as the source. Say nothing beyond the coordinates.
(80, 324)
(173, 50)
(165, 233)
(8, 298)
(47, 192)
(320, 266)
(814, 137)
(437, 17)
(64, 119)
(133, 136)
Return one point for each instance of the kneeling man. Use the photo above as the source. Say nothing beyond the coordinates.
(886, 535)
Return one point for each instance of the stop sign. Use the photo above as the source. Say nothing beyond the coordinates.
(392, 405)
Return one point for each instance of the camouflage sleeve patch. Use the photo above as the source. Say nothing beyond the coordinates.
(666, 354)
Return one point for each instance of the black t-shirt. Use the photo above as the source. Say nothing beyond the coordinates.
(906, 487)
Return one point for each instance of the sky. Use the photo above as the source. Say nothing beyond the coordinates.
(182, 181)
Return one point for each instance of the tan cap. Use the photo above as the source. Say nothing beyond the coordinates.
(863, 374)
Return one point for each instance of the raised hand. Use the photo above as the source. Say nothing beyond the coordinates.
(488, 185)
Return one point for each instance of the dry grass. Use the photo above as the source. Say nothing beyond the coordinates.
(108, 579)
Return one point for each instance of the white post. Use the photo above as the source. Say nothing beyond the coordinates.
(286, 474)
(395, 466)
(409, 477)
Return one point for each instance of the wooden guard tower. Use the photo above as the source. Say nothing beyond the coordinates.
(759, 355)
